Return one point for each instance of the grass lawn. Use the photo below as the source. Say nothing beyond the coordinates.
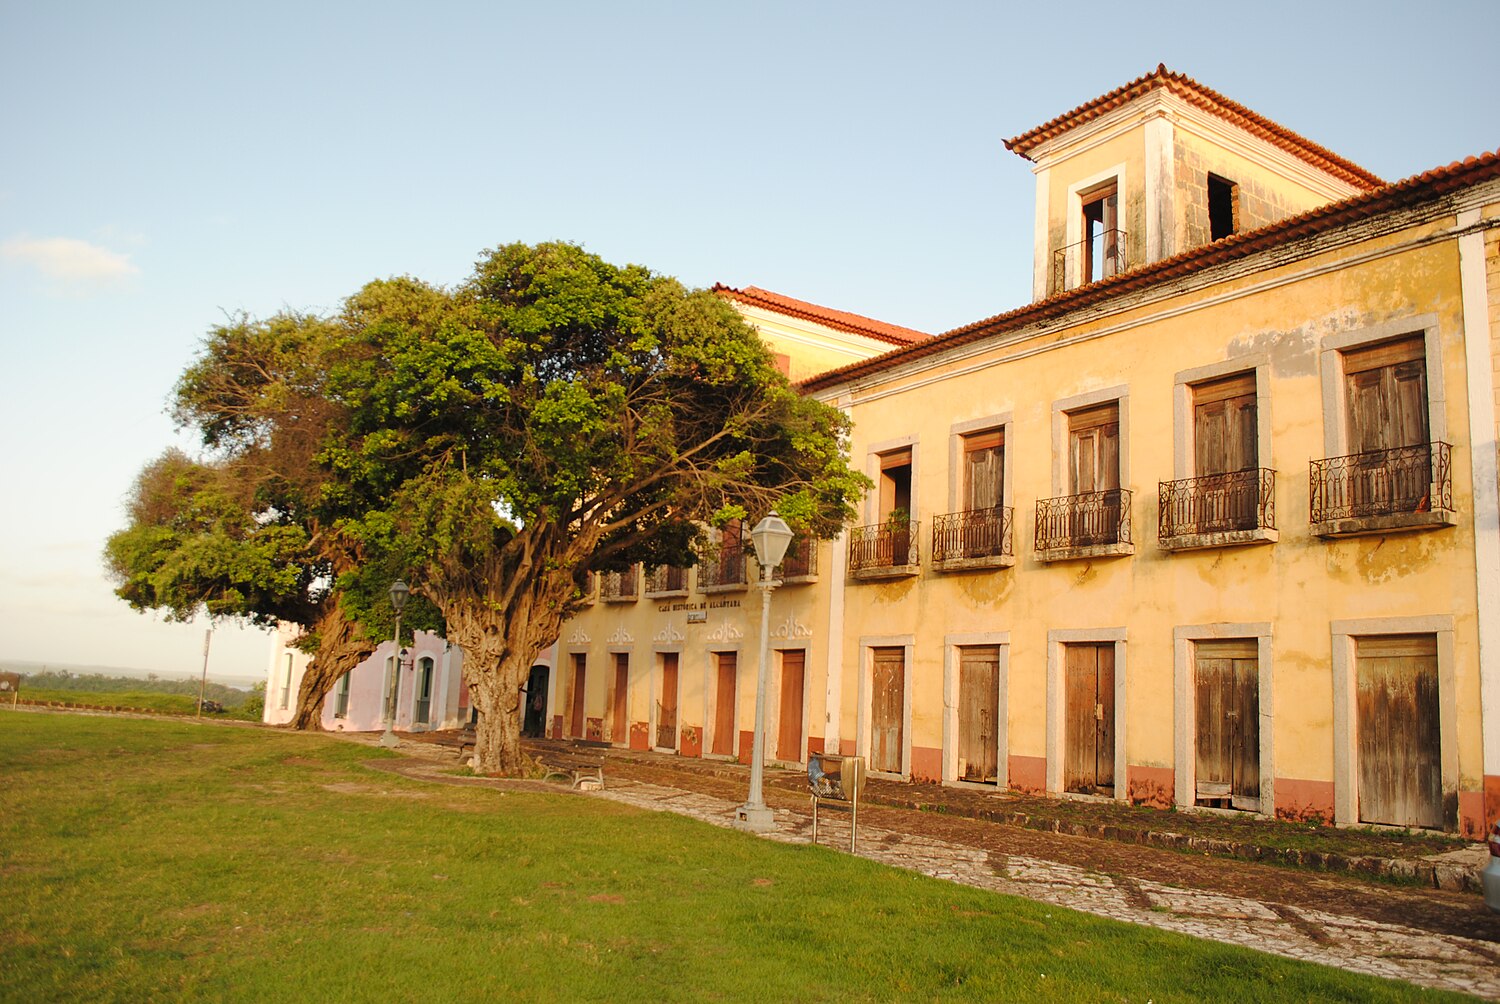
(143, 700)
(167, 860)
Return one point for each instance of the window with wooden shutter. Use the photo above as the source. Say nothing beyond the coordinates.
(1385, 389)
(1224, 425)
(1101, 233)
(984, 470)
(1094, 449)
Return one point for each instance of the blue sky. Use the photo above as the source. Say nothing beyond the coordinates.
(166, 163)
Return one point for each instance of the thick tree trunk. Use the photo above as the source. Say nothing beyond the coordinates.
(502, 632)
(341, 647)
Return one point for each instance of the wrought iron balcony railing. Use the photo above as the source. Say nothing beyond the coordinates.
(801, 560)
(883, 545)
(1088, 520)
(1406, 479)
(1216, 503)
(666, 579)
(725, 564)
(976, 533)
(620, 586)
(1096, 258)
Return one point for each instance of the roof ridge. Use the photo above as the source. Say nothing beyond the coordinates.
(1435, 181)
(1209, 100)
(828, 316)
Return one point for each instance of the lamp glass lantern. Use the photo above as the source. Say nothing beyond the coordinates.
(771, 537)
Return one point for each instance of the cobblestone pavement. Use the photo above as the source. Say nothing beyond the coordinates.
(1358, 944)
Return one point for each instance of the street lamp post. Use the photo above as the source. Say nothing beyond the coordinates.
(399, 593)
(771, 537)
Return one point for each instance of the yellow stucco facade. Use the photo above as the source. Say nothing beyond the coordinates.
(1244, 489)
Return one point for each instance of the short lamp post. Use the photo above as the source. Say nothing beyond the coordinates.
(771, 537)
(400, 591)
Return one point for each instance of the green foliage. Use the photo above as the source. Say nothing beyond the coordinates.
(61, 680)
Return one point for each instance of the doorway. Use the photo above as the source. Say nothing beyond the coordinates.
(1227, 745)
(887, 708)
(666, 706)
(726, 687)
(534, 724)
(793, 688)
(978, 713)
(1089, 727)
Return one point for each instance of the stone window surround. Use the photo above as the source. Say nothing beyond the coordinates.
(1056, 693)
(1183, 462)
(1185, 707)
(866, 647)
(873, 453)
(1344, 634)
(951, 667)
(1331, 365)
(1072, 262)
(1060, 410)
(1004, 422)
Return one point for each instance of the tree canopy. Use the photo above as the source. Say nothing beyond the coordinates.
(551, 416)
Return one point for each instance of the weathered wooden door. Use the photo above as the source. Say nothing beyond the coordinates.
(726, 687)
(422, 712)
(666, 708)
(978, 713)
(1400, 748)
(1224, 442)
(1227, 690)
(887, 705)
(580, 673)
(793, 685)
(1089, 719)
(619, 723)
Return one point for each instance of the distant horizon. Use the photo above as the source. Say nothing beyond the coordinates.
(27, 666)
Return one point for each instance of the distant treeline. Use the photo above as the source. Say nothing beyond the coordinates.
(98, 683)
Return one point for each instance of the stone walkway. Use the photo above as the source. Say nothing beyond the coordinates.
(1425, 958)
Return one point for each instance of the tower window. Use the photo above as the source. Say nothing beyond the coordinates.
(1223, 207)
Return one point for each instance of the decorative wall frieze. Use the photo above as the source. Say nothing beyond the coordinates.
(792, 629)
(669, 635)
(620, 637)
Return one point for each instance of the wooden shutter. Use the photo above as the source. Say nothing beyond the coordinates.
(1094, 449)
(580, 670)
(666, 715)
(1224, 425)
(984, 465)
(1385, 389)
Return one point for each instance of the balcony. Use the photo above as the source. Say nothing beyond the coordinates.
(1091, 525)
(1382, 491)
(725, 566)
(666, 580)
(1218, 510)
(977, 538)
(801, 561)
(620, 587)
(1093, 259)
(883, 551)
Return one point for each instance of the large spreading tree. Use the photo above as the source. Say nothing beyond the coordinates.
(552, 416)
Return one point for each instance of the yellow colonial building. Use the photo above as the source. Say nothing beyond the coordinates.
(1211, 523)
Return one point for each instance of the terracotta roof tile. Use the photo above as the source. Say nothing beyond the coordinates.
(1209, 100)
(1411, 191)
(838, 319)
